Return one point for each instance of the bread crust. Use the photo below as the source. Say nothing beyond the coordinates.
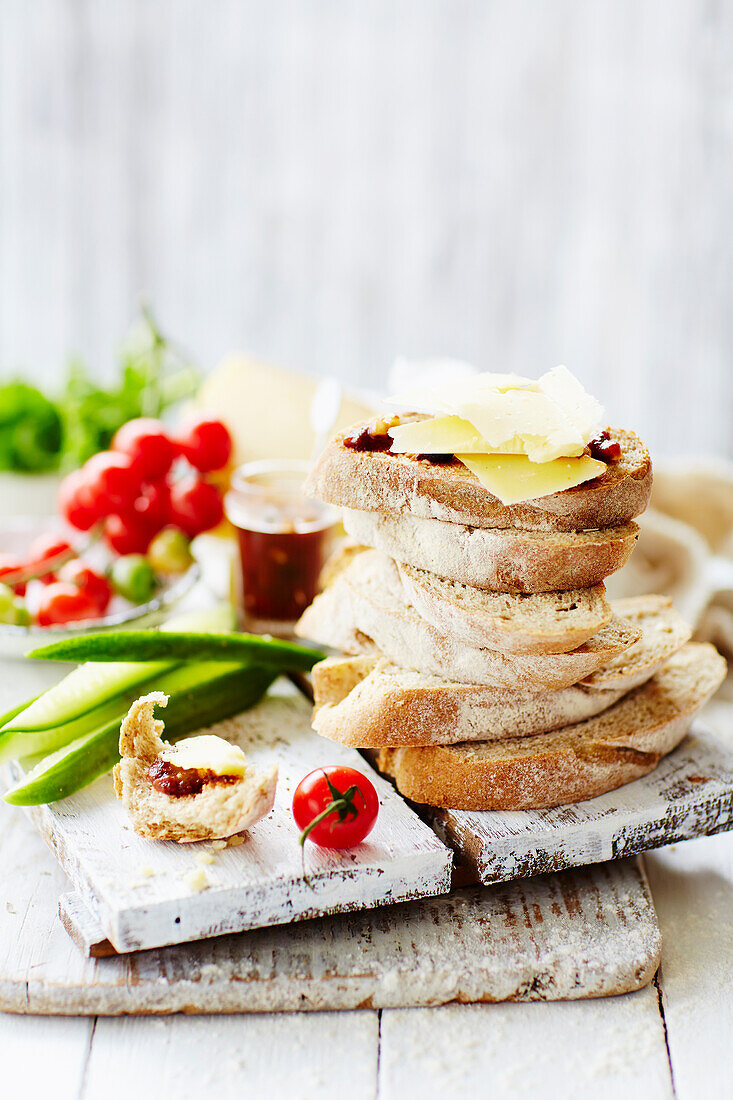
(497, 559)
(215, 813)
(396, 484)
(572, 764)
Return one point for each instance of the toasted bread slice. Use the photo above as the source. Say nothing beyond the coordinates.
(369, 702)
(400, 484)
(663, 632)
(500, 560)
(216, 812)
(367, 599)
(571, 764)
(510, 622)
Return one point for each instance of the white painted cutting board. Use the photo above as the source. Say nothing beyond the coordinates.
(690, 794)
(139, 889)
(586, 933)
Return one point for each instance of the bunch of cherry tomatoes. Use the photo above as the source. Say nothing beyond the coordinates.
(148, 496)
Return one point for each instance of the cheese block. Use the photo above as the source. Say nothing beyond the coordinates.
(513, 478)
(207, 752)
(438, 435)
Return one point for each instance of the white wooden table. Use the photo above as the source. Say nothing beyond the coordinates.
(672, 1039)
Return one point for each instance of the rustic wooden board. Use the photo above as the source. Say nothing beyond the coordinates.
(139, 891)
(585, 933)
(690, 794)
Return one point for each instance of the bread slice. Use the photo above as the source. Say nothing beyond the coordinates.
(369, 702)
(511, 622)
(663, 632)
(499, 559)
(397, 484)
(581, 761)
(216, 812)
(368, 599)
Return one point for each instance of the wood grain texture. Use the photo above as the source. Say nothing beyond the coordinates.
(138, 889)
(585, 933)
(690, 794)
(329, 184)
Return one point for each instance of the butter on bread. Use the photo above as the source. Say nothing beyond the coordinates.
(216, 812)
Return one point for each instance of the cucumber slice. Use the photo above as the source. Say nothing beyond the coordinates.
(92, 684)
(150, 645)
(199, 697)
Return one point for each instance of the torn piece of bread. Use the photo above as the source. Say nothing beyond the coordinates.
(580, 761)
(221, 806)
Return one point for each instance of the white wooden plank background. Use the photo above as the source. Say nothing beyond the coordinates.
(331, 183)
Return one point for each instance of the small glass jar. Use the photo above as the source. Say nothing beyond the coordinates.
(284, 539)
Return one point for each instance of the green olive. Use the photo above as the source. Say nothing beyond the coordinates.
(169, 552)
(132, 576)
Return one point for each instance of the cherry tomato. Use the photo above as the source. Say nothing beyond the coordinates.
(128, 533)
(78, 573)
(112, 480)
(65, 603)
(46, 548)
(196, 505)
(205, 443)
(153, 506)
(9, 564)
(149, 446)
(335, 806)
(75, 501)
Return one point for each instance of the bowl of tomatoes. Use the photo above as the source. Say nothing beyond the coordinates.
(119, 551)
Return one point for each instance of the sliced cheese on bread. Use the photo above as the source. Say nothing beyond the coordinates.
(367, 600)
(578, 762)
(510, 622)
(513, 479)
(401, 484)
(498, 559)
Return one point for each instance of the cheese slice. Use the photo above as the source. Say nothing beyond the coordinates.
(551, 418)
(514, 478)
(440, 435)
(207, 753)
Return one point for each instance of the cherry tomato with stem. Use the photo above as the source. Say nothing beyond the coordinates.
(205, 443)
(196, 505)
(335, 806)
(81, 575)
(147, 443)
(65, 603)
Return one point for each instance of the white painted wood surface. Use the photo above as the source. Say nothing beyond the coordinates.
(585, 933)
(139, 890)
(690, 794)
(329, 184)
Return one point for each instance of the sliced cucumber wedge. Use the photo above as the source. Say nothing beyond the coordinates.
(151, 645)
(199, 696)
(93, 684)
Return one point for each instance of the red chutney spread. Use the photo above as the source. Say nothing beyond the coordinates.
(178, 782)
(379, 440)
(605, 449)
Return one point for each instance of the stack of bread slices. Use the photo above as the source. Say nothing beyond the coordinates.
(482, 663)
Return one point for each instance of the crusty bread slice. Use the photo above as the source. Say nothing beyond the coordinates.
(369, 702)
(367, 598)
(571, 764)
(216, 812)
(499, 559)
(397, 484)
(511, 622)
(663, 632)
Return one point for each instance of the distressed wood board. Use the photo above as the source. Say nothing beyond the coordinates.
(690, 794)
(590, 932)
(138, 889)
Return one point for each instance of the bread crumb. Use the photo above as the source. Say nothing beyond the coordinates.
(204, 857)
(146, 872)
(235, 841)
(217, 845)
(197, 880)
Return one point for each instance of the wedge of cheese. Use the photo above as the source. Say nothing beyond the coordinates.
(513, 478)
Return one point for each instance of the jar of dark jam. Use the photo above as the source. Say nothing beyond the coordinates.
(284, 539)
